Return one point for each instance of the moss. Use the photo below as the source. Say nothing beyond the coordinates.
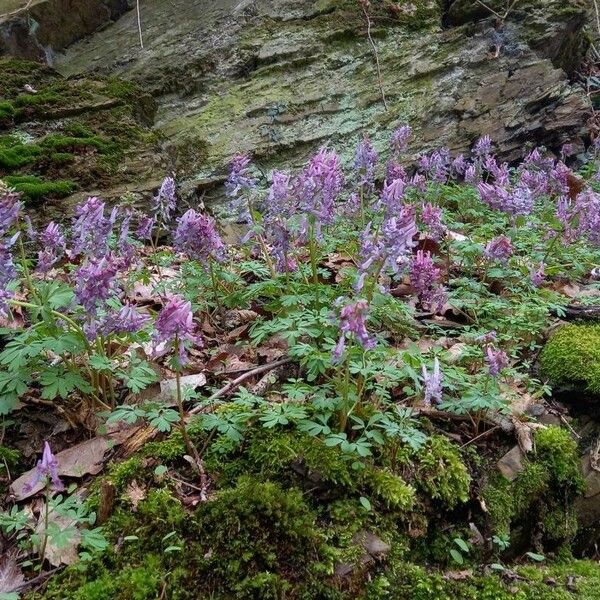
(123, 473)
(62, 142)
(440, 471)
(40, 99)
(258, 527)
(35, 189)
(18, 155)
(391, 489)
(572, 357)
(545, 489)
(143, 582)
(557, 451)
(7, 110)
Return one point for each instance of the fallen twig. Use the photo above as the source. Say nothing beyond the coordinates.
(237, 382)
(37, 580)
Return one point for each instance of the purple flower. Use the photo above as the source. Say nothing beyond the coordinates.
(353, 321)
(165, 201)
(53, 246)
(145, 227)
(8, 272)
(499, 248)
(94, 282)
(537, 275)
(483, 147)
(497, 360)
(239, 180)
(389, 247)
(400, 139)
(319, 185)
(436, 165)
(516, 201)
(174, 327)
(459, 166)
(424, 277)
(566, 151)
(281, 202)
(433, 384)
(92, 228)
(394, 170)
(46, 470)
(365, 162)
(196, 235)
(126, 320)
(392, 196)
(10, 206)
(432, 218)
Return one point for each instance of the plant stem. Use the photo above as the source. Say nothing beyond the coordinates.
(46, 521)
(343, 416)
(26, 272)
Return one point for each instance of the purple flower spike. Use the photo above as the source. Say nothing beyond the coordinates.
(483, 147)
(125, 320)
(353, 321)
(196, 235)
(92, 228)
(165, 201)
(145, 227)
(53, 246)
(365, 162)
(319, 186)
(10, 206)
(497, 360)
(432, 218)
(8, 272)
(400, 139)
(95, 282)
(424, 277)
(499, 248)
(240, 180)
(46, 470)
(537, 275)
(175, 326)
(433, 384)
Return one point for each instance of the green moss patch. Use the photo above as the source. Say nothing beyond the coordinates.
(572, 357)
(542, 495)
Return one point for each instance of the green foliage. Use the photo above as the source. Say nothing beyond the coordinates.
(572, 356)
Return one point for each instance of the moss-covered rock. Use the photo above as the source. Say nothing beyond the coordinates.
(542, 496)
(572, 357)
(63, 135)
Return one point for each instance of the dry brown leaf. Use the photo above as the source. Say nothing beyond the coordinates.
(135, 494)
(456, 352)
(11, 576)
(168, 387)
(83, 459)
(63, 554)
(235, 318)
(458, 575)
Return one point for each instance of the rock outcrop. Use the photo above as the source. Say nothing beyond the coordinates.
(278, 78)
(44, 27)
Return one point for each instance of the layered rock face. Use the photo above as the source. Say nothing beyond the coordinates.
(278, 78)
(45, 27)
